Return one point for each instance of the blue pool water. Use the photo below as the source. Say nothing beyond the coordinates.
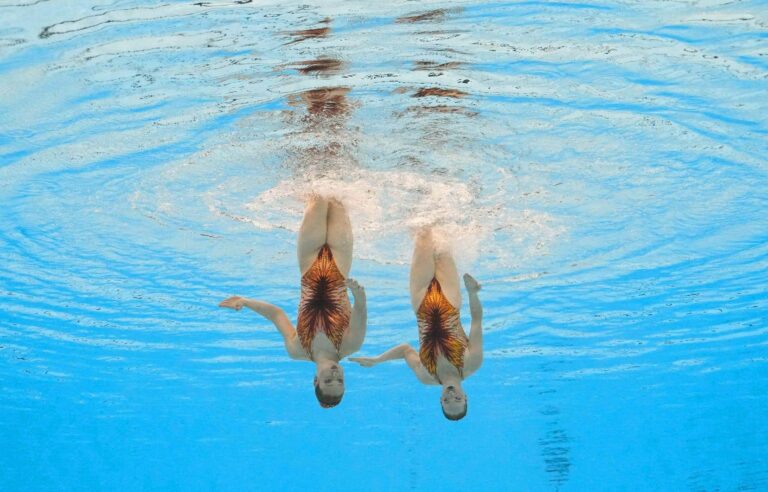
(599, 167)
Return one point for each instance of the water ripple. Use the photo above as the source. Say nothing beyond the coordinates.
(599, 167)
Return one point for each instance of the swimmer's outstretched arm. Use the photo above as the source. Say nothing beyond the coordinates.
(402, 351)
(358, 321)
(276, 316)
(476, 329)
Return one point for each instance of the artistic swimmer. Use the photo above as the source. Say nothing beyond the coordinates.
(446, 356)
(328, 328)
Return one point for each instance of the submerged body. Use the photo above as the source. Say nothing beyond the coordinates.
(328, 327)
(446, 355)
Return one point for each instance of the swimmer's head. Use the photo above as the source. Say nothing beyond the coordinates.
(329, 384)
(454, 402)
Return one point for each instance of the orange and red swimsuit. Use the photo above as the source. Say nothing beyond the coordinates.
(440, 331)
(324, 305)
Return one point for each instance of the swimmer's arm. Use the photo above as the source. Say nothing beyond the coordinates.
(475, 350)
(398, 352)
(402, 351)
(276, 316)
(358, 320)
(414, 362)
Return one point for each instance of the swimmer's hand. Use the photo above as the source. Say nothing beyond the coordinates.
(357, 289)
(234, 302)
(470, 283)
(365, 361)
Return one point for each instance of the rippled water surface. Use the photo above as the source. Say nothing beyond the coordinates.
(600, 167)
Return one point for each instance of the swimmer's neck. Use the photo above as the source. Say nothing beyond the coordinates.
(324, 357)
(451, 378)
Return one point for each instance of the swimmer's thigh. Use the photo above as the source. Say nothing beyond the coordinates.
(312, 233)
(339, 236)
(422, 267)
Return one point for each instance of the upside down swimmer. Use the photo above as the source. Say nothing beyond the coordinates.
(328, 327)
(446, 355)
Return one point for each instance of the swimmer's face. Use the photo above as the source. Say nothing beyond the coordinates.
(329, 385)
(454, 402)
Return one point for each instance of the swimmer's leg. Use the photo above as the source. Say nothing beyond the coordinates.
(448, 276)
(339, 236)
(422, 267)
(312, 234)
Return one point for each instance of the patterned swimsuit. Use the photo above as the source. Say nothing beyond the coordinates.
(440, 331)
(324, 303)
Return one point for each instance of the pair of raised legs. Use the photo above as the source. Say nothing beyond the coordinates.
(325, 222)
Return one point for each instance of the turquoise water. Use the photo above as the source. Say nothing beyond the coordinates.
(599, 167)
